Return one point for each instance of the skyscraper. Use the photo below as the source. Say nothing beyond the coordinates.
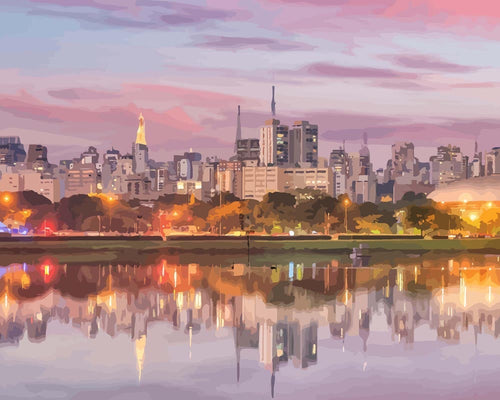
(140, 148)
(403, 160)
(447, 166)
(273, 143)
(338, 163)
(11, 150)
(303, 144)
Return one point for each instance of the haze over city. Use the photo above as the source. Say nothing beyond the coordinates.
(423, 71)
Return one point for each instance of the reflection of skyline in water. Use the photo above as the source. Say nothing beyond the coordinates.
(277, 315)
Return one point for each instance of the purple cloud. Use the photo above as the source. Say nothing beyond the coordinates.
(100, 5)
(80, 94)
(259, 43)
(421, 61)
(338, 71)
(144, 14)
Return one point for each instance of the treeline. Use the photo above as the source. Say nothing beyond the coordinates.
(302, 212)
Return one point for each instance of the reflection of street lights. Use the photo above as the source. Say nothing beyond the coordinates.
(6, 198)
(110, 200)
(347, 203)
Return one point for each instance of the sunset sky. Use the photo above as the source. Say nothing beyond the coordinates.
(75, 73)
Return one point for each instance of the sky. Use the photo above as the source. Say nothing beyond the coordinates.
(75, 73)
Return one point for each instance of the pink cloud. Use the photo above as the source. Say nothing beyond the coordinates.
(185, 96)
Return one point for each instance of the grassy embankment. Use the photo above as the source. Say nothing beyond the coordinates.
(94, 251)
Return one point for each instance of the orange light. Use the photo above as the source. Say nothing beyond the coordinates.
(46, 270)
(346, 202)
(6, 198)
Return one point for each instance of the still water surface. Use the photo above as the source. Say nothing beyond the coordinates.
(377, 327)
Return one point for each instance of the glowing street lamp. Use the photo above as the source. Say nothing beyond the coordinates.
(346, 203)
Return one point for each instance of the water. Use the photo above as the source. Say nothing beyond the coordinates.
(298, 326)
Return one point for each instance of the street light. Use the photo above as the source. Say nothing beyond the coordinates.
(347, 203)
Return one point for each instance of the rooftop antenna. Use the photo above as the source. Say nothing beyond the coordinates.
(273, 105)
(343, 144)
(238, 131)
(365, 138)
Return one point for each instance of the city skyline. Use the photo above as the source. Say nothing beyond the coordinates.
(416, 87)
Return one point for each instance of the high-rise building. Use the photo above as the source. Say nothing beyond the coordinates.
(229, 176)
(273, 144)
(308, 178)
(11, 150)
(37, 157)
(140, 149)
(476, 165)
(91, 156)
(493, 161)
(447, 166)
(111, 157)
(339, 163)
(81, 179)
(403, 160)
(187, 165)
(361, 182)
(303, 145)
(257, 181)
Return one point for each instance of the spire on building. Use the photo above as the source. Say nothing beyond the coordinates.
(140, 346)
(238, 131)
(365, 138)
(141, 131)
(475, 147)
(273, 105)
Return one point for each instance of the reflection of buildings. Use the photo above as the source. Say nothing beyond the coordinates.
(276, 314)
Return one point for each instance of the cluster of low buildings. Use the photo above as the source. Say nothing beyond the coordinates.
(282, 158)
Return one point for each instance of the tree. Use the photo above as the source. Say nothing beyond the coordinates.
(421, 217)
(371, 224)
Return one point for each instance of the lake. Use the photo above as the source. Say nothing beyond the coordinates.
(379, 325)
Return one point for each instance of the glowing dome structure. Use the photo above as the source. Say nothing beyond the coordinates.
(483, 189)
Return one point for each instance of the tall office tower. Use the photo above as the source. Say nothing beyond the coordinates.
(303, 145)
(447, 166)
(238, 131)
(476, 165)
(273, 143)
(493, 161)
(140, 148)
(338, 163)
(273, 105)
(111, 157)
(361, 181)
(403, 160)
(11, 150)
